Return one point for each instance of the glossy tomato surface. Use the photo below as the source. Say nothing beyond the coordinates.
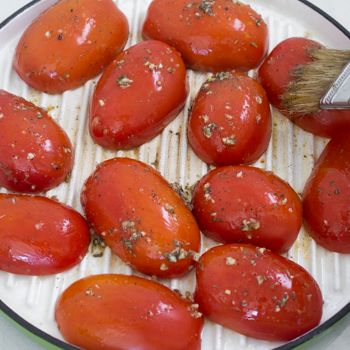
(35, 152)
(230, 120)
(141, 218)
(70, 43)
(40, 236)
(138, 95)
(326, 196)
(212, 36)
(257, 293)
(245, 204)
(118, 312)
(274, 76)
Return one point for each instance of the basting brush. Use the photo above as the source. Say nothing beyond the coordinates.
(323, 83)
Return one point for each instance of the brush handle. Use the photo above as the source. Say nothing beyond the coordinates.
(338, 96)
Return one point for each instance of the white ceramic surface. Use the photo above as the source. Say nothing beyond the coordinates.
(10, 338)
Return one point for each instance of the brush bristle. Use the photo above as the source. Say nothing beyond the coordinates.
(313, 80)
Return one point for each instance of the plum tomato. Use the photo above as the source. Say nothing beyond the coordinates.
(211, 36)
(137, 96)
(141, 218)
(36, 154)
(40, 236)
(326, 196)
(274, 75)
(119, 312)
(70, 43)
(230, 120)
(257, 293)
(245, 204)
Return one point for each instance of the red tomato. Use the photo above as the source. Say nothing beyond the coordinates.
(118, 312)
(213, 36)
(40, 236)
(36, 153)
(257, 293)
(137, 96)
(141, 218)
(274, 76)
(326, 196)
(230, 121)
(249, 205)
(70, 43)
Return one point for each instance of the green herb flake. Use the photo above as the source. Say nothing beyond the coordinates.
(206, 6)
(207, 130)
(260, 279)
(124, 82)
(229, 141)
(284, 300)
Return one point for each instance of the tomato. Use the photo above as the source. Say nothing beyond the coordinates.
(213, 36)
(40, 236)
(326, 196)
(118, 312)
(141, 218)
(274, 76)
(36, 154)
(230, 121)
(257, 293)
(138, 95)
(249, 205)
(70, 43)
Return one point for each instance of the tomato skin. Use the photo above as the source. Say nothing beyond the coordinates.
(274, 76)
(36, 153)
(70, 43)
(326, 196)
(257, 293)
(118, 312)
(222, 130)
(141, 218)
(117, 122)
(249, 205)
(40, 236)
(227, 36)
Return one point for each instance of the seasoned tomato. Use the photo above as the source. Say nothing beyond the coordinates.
(274, 75)
(326, 196)
(138, 95)
(230, 121)
(141, 218)
(118, 312)
(70, 43)
(213, 36)
(35, 152)
(257, 293)
(40, 236)
(249, 205)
